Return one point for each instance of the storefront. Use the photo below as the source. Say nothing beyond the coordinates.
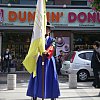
(72, 27)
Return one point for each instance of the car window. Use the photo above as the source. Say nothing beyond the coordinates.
(82, 55)
(89, 56)
(86, 55)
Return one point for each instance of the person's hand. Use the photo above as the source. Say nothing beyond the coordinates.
(45, 53)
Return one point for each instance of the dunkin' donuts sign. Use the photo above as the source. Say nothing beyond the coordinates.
(69, 17)
(55, 16)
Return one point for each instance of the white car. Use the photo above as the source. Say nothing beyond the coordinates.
(80, 62)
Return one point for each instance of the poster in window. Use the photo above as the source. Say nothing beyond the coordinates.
(62, 43)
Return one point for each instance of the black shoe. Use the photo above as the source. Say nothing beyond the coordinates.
(53, 99)
(34, 98)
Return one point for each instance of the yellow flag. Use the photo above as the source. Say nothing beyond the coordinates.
(37, 46)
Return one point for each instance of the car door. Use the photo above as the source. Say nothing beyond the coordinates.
(88, 57)
(79, 61)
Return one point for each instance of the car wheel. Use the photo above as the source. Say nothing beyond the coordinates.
(82, 75)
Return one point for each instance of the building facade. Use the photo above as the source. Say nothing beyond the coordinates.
(75, 24)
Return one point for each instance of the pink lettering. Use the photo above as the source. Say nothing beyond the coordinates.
(82, 17)
(71, 17)
(91, 17)
(98, 16)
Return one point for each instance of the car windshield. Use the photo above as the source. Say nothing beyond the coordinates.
(68, 56)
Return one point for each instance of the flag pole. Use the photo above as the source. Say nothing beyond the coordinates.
(43, 54)
(43, 84)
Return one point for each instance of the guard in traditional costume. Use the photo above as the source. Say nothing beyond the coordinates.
(50, 78)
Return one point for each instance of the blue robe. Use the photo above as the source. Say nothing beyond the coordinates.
(51, 86)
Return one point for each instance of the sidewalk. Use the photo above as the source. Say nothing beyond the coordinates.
(21, 77)
(84, 91)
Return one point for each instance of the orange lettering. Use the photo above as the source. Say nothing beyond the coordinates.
(48, 16)
(20, 16)
(12, 16)
(55, 17)
(31, 16)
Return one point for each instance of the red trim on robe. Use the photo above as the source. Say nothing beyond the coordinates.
(50, 51)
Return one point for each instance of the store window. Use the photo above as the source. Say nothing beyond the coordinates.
(11, 1)
(18, 43)
(79, 2)
(85, 41)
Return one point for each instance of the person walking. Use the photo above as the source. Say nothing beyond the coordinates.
(51, 86)
(95, 64)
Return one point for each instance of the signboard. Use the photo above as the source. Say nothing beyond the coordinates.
(57, 16)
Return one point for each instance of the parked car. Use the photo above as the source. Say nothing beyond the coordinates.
(80, 62)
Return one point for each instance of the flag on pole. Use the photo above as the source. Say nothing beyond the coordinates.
(37, 45)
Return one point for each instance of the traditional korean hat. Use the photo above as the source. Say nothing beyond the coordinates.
(49, 25)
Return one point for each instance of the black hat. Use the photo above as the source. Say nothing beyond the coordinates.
(49, 25)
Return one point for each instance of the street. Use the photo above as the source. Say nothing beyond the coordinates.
(84, 91)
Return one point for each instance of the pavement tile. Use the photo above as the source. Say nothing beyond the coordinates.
(84, 91)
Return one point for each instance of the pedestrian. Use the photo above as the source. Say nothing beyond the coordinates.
(95, 64)
(58, 64)
(7, 57)
(51, 86)
(61, 55)
(60, 59)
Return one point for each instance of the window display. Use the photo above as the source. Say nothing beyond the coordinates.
(85, 41)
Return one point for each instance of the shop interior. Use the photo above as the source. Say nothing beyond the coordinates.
(85, 40)
(18, 43)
